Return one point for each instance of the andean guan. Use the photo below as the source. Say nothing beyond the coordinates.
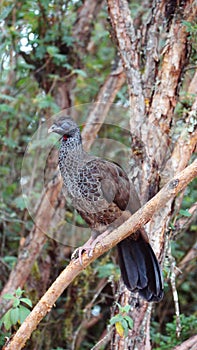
(103, 195)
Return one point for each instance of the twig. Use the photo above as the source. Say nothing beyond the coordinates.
(103, 341)
(174, 292)
(192, 254)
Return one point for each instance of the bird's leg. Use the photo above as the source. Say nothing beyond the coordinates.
(79, 251)
(90, 245)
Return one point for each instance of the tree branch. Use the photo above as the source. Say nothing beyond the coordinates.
(127, 41)
(152, 39)
(102, 104)
(84, 23)
(188, 344)
(185, 266)
(139, 219)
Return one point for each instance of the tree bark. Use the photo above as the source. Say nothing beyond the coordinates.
(189, 344)
(153, 97)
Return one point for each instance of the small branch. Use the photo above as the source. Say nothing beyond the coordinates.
(193, 84)
(103, 102)
(175, 293)
(184, 267)
(139, 219)
(188, 344)
(124, 32)
(104, 340)
(84, 23)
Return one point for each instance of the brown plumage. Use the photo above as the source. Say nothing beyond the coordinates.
(102, 194)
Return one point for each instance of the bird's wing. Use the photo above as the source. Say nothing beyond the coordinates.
(116, 187)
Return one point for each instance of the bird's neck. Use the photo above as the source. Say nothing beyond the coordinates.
(71, 153)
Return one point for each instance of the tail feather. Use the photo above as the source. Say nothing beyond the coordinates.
(140, 269)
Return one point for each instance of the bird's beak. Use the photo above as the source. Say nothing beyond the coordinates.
(51, 129)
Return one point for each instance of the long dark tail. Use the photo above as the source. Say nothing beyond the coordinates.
(140, 269)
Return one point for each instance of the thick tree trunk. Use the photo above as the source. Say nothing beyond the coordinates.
(153, 97)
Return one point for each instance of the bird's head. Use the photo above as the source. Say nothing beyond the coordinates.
(64, 126)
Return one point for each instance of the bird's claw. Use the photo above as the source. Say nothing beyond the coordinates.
(78, 253)
(87, 247)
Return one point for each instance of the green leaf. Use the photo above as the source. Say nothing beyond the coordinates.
(6, 108)
(7, 320)
(4, 170)
(126, 308)
(5, 11)
(129, 321)
(10, 260)
(16, 302)
(52, 50)
(9, 142)
(8, 296)
(115, 319)
(125, 326)
(23, 313)
(105, 270)
(26, 301)
(7, 97)
(14, 315)
(80, 72)
(20, 203)
(19, 292)
(185, 212)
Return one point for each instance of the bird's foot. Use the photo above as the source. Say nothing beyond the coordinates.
(89, 247)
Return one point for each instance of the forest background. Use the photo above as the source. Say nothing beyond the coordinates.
(121, 68)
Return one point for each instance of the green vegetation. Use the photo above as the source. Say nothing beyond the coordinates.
(122, 321)
(18, 312)
(39, 56)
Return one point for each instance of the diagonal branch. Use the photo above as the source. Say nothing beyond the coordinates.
(84, 23)
(187, 344)
(139, 219)
(102, 104)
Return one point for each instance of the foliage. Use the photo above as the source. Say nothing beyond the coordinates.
(106, 269)
(38, 52)
(169, 340)
(18, 312)
(123, 322)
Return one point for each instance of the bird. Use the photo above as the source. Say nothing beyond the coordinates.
(103, 195)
